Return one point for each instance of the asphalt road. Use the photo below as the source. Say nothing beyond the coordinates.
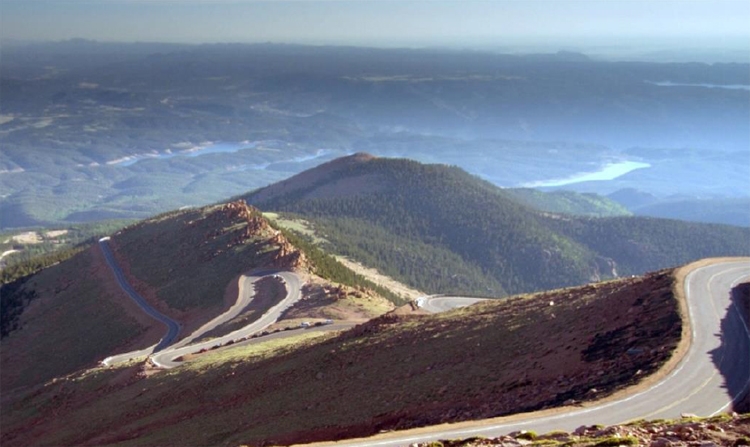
(173, 328)
(163, 355)
(245, 296)
(436, 304)
(165, 358)
(695, 386)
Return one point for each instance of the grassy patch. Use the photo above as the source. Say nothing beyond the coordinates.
(528, 435)
(297, 225)
(254, 352)
(616, 440)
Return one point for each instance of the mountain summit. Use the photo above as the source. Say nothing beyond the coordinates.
(443, 230)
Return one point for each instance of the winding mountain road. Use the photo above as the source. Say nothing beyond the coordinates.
(713, 373)
(165, 358)
(173, 328)
(164, 355)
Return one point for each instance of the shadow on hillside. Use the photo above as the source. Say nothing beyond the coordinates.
(731, 366)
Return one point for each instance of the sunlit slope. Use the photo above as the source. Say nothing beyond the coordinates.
(74, 314)
(186, 258)
(404, 218)
(186, 264)
(396, 371)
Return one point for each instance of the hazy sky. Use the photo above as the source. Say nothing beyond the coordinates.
(379, 22)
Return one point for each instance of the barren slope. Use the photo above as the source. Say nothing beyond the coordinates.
(396, 371)
(186, 264)
(78, 316)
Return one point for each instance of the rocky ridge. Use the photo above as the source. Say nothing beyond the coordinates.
(287, 256)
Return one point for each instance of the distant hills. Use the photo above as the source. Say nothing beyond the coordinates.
(442, 230)
(730, 211)
(94, 130)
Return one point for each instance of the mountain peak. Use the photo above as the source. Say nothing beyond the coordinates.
(359, 157)
(307, 181)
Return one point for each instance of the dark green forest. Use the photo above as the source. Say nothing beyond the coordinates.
(440, 229)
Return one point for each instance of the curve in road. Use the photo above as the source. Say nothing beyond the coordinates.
(166, 358)
(440, 303)
(694, 386)
(163, 355)
(173, 328)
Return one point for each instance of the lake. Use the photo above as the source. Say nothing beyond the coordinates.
(608, 172)
(192, 151)
(680, 84)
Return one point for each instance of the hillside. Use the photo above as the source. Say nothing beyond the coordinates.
(185, 263)
(442, 230)
(568, 202)
(396, 371)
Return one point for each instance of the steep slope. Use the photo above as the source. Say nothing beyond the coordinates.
(73, 315)
(396, 371)
(443, 230)
(186, 264)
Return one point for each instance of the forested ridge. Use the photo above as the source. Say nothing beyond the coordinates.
(443, 230)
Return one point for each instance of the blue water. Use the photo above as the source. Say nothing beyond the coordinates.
(212, 148)
(680, 84)
(607, 172)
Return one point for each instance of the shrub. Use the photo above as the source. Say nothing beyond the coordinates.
(528, 435)
(615, 441)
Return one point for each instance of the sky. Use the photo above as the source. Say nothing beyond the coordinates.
(381, 22)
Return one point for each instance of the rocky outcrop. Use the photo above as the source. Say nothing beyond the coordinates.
(246, 225)
(287, 256)
(723, 430)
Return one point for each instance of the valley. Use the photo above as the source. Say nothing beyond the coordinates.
(133, 133)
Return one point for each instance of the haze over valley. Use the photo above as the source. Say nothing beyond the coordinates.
(360, 223)
(93, 130)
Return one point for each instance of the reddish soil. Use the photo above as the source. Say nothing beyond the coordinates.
(154, 329)
(323, 300)
(573, 350)
(190, 320)
(56, 327)
(268, 292)
(394, 372)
